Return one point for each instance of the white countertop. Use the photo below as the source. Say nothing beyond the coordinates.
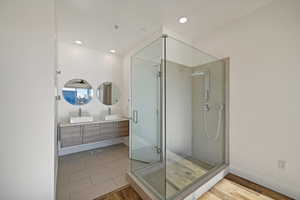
(95, 121)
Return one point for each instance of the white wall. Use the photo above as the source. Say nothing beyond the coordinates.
(179, 108)
(264, 93)
(27, 100)
(94, 66)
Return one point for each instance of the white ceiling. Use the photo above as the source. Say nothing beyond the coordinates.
(92, 21)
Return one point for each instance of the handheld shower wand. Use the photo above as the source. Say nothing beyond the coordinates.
(206, 107)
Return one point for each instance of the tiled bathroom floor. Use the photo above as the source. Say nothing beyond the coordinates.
(90, 174)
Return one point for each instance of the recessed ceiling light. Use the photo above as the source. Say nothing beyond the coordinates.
(183, 20)
(112, 51)
(78, 42)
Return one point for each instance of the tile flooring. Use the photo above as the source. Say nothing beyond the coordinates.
(90, 174)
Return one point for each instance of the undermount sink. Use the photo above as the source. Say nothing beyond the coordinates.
(113, 117)
(81, 119)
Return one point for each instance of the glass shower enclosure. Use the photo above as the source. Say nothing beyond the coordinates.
(179, 115)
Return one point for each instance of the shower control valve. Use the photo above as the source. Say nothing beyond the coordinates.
(205, 107)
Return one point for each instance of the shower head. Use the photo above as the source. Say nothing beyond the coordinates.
(156, 65)
(206, 76)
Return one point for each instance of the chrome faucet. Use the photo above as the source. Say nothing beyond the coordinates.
(109, 110)
(80, 112)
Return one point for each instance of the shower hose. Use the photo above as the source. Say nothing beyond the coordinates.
(218, 131)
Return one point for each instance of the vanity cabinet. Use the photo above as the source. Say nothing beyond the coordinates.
(72, 135)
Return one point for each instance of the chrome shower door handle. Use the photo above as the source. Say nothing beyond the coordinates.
(135, 116)
(206, 95)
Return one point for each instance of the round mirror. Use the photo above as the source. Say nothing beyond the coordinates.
(78, 92)
(108, 93)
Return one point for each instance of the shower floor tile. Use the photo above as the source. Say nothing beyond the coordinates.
(90, 174)
(180, 173)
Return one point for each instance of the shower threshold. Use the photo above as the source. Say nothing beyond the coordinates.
(180, 177)
(193, 191)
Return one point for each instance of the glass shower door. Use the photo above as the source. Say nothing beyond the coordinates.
(147, 163)
(145, 126)
(145, 113)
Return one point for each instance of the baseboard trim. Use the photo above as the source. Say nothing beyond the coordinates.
(255, 179)
(256, 187)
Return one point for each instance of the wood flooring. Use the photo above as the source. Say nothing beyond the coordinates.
(230, 188)
(124, 193)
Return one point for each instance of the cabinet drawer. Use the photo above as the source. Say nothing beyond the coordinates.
(107, 125)
(123, 124)
(114, 132)
(111, 135)
(123, 131)
(91, 133)
(107, 130)
(70, 136)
